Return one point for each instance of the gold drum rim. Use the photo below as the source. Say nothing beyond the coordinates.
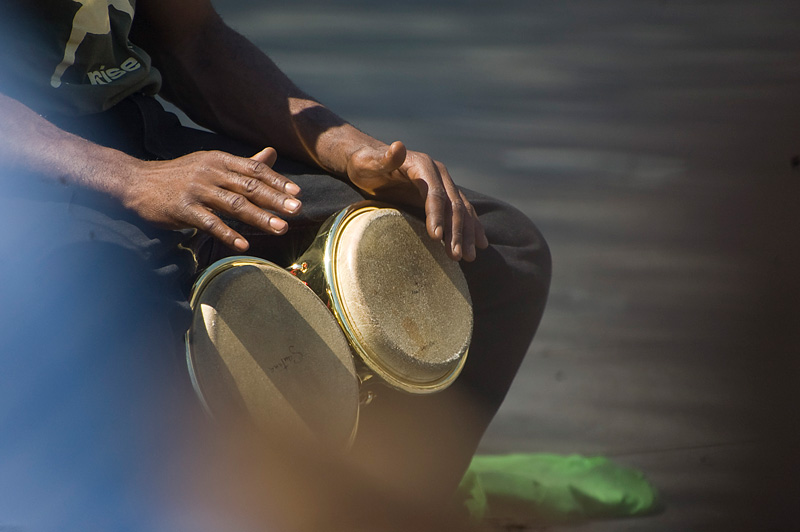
(372, 360)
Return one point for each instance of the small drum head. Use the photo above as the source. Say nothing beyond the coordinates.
(263, 344)
(405, 303)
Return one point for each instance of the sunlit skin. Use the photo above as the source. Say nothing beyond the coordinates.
(230, 86)
(225, 83)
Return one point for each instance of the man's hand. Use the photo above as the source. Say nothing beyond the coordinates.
(199, 55)
(414, 178)
(191, 191)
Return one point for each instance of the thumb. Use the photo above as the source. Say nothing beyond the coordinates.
(267, 156)
(394, 157)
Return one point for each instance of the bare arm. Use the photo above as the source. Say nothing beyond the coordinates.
(185, 192)
(225, 83)
(29, 142)
(202, 61)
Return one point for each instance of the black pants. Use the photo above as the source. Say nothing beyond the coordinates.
(95, 309)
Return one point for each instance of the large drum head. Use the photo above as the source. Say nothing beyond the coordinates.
(404, 303)
(262, 343)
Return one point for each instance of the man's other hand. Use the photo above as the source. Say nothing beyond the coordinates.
(414, 178)
(195, 190)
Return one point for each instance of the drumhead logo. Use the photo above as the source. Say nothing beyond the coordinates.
(93, 18)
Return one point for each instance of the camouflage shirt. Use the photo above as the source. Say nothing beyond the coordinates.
(72, 57)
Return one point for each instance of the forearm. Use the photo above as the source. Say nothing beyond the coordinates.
(30, 143)
(181, 193)
(225, 83)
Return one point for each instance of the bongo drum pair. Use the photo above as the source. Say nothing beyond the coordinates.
(373, 299)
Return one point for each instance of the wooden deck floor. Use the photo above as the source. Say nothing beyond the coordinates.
(653, 143)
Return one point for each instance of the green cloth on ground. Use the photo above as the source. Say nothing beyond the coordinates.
(553, 488)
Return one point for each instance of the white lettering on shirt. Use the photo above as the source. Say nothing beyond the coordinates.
(92, 18)
(104, 76)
